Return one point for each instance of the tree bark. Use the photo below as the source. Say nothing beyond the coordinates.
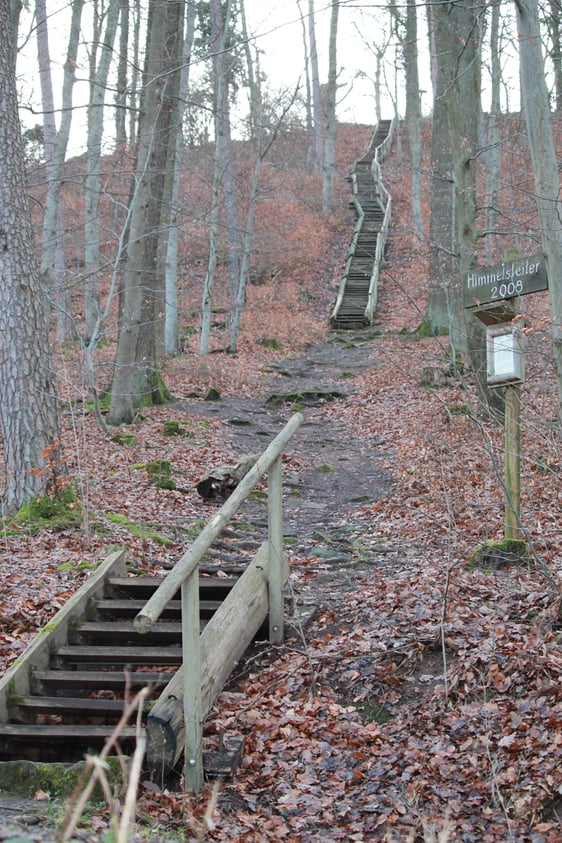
(122, 75)
(458, 40)
(407, 32)
(171, 241)
(224, 173)
(29, 414)
(53, 264)
(137, 381)
(316, 90)
(442, 230)
(331, 91)
(99, 73)
(539, 129)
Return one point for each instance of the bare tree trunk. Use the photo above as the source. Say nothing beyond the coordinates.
(331, 91)
(53, 265)
(135, 76)
(137, 381)
(171, 270)
(413, 112)
(554, 26)
(122, 75)
(59, 291)
(29, 415)
(407, 33)
(15, 9)
(545, 166)
(458, 49)
(493, 153)
(224, 172)
(98, 87)
(254, 88)
(442, 230)
(308, 102)
(318, 125)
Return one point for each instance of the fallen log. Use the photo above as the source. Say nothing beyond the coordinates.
(222, 481)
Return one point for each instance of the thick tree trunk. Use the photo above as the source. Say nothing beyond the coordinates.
(545, 165)
(442, 229)
(458, 41)
(28, 401)
(137, 381)
(224, 175)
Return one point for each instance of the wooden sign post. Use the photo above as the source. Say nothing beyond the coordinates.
(495, 293)
(512, 462)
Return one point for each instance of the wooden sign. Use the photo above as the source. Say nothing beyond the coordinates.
(506, 280)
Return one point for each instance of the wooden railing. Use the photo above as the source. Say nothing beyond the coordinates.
(357, 306)
(386, 202)
(218, 653)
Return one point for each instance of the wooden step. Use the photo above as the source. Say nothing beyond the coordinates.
(85, 681)
(97, 654)
(38, 742)
(26, 709)
(121, 632)
(121, 608)
(60, 732)
(210, 588)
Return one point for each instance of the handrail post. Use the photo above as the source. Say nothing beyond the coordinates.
(192, 705)
(276, 555)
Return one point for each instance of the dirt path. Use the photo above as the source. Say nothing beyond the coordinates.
(334, 473)
(338, 471)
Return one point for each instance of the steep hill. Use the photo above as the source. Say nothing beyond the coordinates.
(425, 698)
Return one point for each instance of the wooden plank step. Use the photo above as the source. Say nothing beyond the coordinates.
(25, 707)
(60, 732)
(97, 654)
(122, 631)
(210, 588)
(130, 607)
(85, 681)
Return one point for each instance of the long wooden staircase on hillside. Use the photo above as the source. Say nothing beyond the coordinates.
(357, 294)
(178, 636)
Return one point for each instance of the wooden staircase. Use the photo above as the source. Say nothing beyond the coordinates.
(356, 298)
(68, 694)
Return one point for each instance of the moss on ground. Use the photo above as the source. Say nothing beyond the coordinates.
(500, 554)
(141, 531)
(61, 511)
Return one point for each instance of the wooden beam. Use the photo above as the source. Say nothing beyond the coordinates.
(223, 642)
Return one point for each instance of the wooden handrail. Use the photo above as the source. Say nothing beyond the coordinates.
(187, 563)
(384, 200)
(185, 575)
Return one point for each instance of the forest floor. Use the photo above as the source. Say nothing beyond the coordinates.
(423, 701)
